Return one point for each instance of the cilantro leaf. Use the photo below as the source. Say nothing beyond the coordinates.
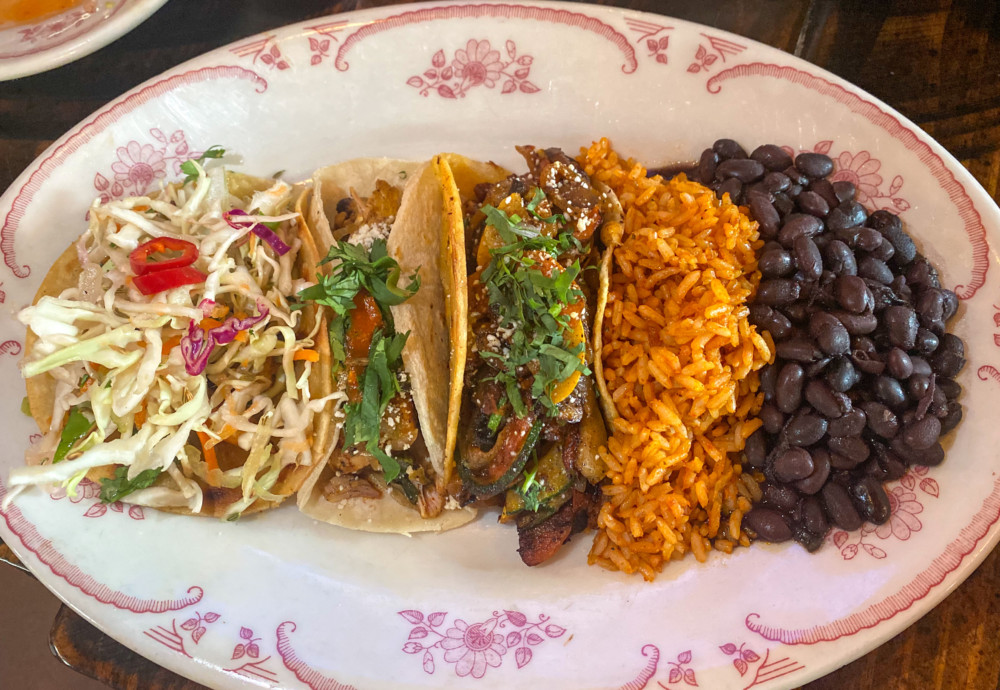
(189, 169)
(532, 208)
(119, 487)
(529, 490)
(77, 427)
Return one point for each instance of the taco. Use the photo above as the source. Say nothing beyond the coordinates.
(531, 425)
(163, 359)
(386, 291)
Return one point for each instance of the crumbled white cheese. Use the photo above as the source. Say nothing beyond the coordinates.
(366, 235)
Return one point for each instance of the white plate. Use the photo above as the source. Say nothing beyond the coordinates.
(280, 600)
(53, 41)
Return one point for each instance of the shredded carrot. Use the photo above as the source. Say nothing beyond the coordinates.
(306, 355)
(140, 418)
(209, 323)
(208, 447)
(170, 343)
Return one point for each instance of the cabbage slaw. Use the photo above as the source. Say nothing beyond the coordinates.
(124, 359)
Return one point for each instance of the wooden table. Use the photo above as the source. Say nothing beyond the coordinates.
(936, 61)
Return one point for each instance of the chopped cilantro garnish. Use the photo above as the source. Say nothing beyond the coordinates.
(531, 310)
(77, 427)
(529, 490)
(494, 422)
(380, 385)
(532, 208)
(116, 489)
(189, 169)
(374, 270)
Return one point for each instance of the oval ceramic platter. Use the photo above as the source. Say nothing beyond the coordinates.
(281, 601)
(53, 41)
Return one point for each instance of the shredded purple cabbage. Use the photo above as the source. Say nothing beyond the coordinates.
(259, 229)
(197, 345)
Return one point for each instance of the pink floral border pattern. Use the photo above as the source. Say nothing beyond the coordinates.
(324, 35)
(972, 221)
(88, 130)
(64, 27)
(476, 64)
(745, 658)
(503, 11)
(680, 672)
(89, 490)
(139, 165)
(302, 670)
(265, 50)
(648, 671)
(475, 648)
(718, 48)
(653, 37)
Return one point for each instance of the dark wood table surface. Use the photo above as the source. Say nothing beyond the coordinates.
(936, 61)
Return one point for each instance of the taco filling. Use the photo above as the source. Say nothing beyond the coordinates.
(531, 423)
(164, 359)
(380, 444)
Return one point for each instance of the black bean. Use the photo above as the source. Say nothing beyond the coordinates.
(763, 211)
(881, 419)
(848, 215)
(755, 449)
(892, 228)
(922, 434)
(829, 333)
(826, 191)
(826, 401)
(781, 496)
(853, 294)
(727, 148)
(813, 517)
(797, 312)
(852, 423)
(841, 375)
(901, 289)
(874, 269)
(778, 325)
(930, 307)
(783, 204)
(805, 429)
(868, 239)
(777, 292)
(950, 356)
(871, 500)
(857, 324)
(772, 157)
(776, 181)
(899, 364)
(839, 507)
(821, 471)
(892, 467)
(883, 252)
(775, 263)
(733, 187)
(796, 176)
(890, 392)
(814, 369)
(921, 366)
(920, 274)
(926, 342)
(798, 224)
(706, 166)
(772, 417)
(788, 390)
(813, 204)
(851, 447)
(848, 236)
(882, 295)
(792, 465)
(794, 191)
(950, 304)
(745, 170)
(845, 190)
(918, 385)
(915, 456)
(902, 325)
(953, 415)
(807, 258)
(814, 165)
(767, 524)
(951, 388)
(839, 258)
(797, 350)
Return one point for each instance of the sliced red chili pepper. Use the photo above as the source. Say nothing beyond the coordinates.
(158, 281)
(144, 259)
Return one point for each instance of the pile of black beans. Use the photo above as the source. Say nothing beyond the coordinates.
(863, 381)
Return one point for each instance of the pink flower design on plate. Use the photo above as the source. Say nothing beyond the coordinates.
(138, 165)
(479, 63)
(862, 171)
(903, 520)
(473, 647)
